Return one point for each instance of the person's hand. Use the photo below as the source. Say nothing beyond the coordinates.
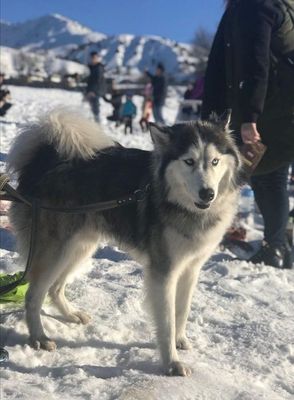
(249, 133)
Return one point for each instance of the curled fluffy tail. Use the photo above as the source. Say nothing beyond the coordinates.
(72, 136)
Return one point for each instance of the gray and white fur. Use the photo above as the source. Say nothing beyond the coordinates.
(65, 160)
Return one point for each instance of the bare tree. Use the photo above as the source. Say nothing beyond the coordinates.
(202, 41)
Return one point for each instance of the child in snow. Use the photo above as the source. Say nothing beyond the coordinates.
(147, 111)
(147, 106)
(128, 112)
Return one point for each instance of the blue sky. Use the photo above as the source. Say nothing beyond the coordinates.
(177, 19)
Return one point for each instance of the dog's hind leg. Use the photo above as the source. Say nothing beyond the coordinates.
(52, 262)
(162, 298)
(40, 278)
(184, 295)
(57, 294)
(78, 251)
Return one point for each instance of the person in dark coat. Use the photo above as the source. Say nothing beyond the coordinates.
(250, 72)
(96, 85)
(292, 174)
(5, 96)
(116, 102)
(159, 85)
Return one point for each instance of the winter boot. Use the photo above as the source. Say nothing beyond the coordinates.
(4, 356)
(278, 257)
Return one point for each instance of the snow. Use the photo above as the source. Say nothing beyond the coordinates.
(241, 321)
(14, 62)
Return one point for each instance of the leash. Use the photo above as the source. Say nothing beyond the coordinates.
(8, 193)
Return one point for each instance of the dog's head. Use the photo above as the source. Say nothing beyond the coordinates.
(197, 162)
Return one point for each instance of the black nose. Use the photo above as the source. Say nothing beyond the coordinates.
(206, 194)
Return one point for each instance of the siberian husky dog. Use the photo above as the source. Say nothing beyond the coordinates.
(192, 173)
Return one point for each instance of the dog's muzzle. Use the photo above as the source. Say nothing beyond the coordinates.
(202, 206)
(206, 195)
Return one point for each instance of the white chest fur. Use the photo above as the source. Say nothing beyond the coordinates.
(184, 250)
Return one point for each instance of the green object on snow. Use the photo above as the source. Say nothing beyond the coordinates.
(17, 294)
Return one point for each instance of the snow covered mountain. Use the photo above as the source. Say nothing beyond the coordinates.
(122, 54)
(47, 32)
(17, 62)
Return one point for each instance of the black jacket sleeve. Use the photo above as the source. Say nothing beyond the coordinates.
(256, 57)
(215, 76)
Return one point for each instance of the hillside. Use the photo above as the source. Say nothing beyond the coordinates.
(16, 62)
(57, 36)
(45, 33)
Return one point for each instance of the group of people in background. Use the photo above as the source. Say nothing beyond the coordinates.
(154, 95)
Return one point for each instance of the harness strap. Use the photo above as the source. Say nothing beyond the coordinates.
(138, 195)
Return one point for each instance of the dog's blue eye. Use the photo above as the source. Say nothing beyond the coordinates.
(215, 161)
(189, 161)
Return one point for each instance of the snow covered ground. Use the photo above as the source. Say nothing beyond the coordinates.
(241, 323)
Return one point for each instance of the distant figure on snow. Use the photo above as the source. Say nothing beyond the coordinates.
(96, 85)
(128, 112)
(5, 96)
(147, 106)
(198, 88)
(159, 85)
(194, 92)
(116, 102)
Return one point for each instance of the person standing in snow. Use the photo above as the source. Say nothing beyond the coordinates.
(251, 73)
(147, 106)
(5, 96)
(128, 112)
(96, 85)
(159, 85)
(116, 102)
(292, 174)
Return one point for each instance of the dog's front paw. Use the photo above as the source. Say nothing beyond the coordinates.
(183, 343)
(43, 343)
(177, 368)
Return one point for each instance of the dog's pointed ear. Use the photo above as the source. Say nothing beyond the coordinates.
(160, 135)
(226, 119)
(223, 119)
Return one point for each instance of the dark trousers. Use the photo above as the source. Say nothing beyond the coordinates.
(4, 109)
(95, 106)
(271, 196)
(157, 113)
(128, 121)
